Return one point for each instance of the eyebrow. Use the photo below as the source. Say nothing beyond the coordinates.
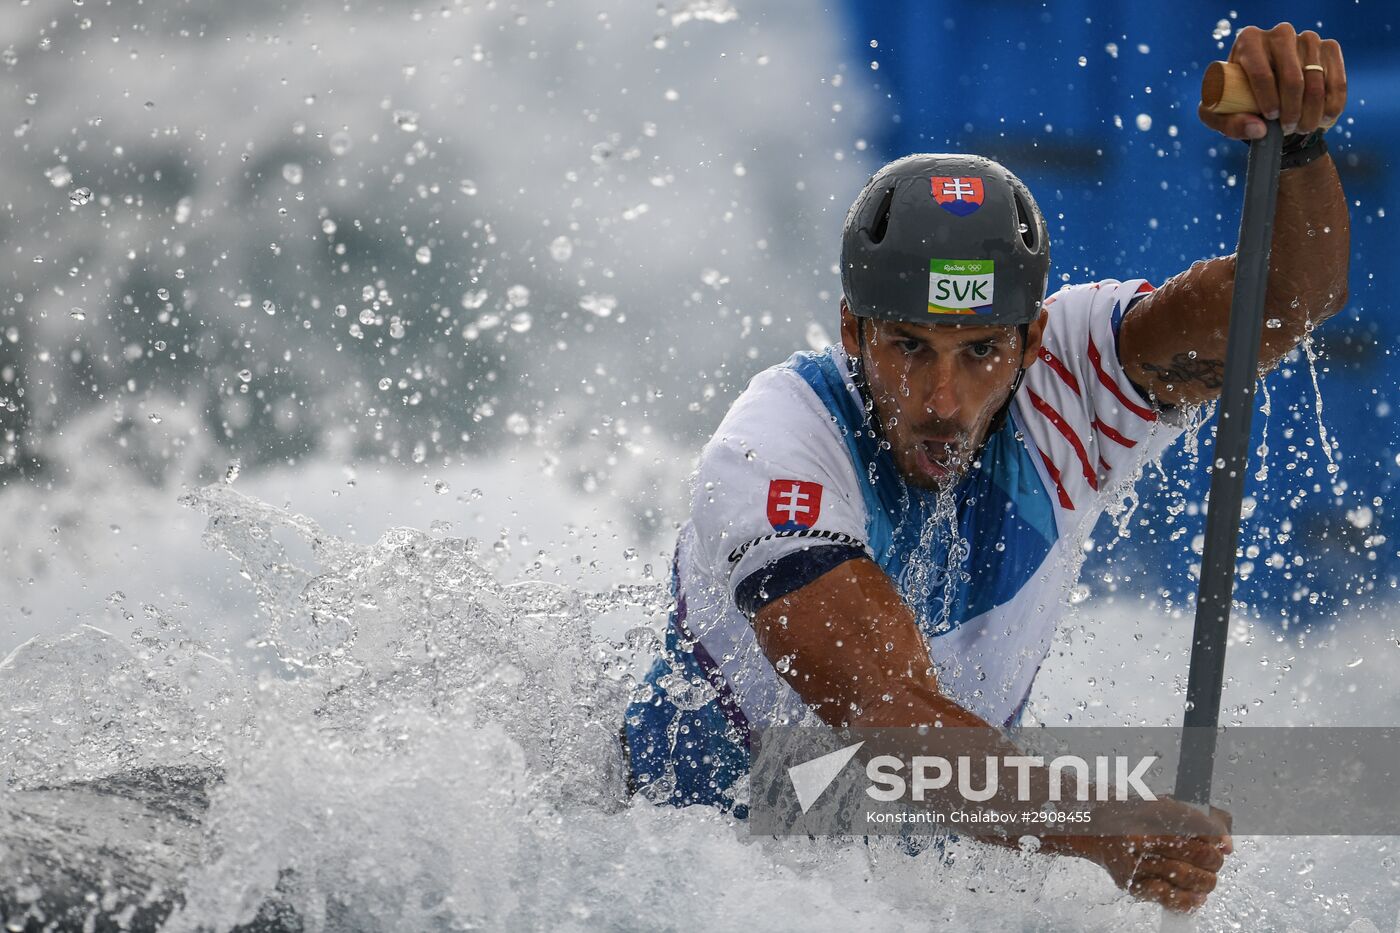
(900, 331)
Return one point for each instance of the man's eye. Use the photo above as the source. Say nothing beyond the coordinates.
(908, 346)
(982, 350)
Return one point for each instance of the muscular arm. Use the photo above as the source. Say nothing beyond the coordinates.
(1173, 341)
(850, 647)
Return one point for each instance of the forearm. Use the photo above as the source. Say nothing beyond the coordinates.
(1174, 342)
(1309, 258)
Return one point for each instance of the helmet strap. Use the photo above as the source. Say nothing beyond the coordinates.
(999, 419)
(862, 386)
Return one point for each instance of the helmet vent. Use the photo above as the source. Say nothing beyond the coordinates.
(882, 217)
(1025, 224)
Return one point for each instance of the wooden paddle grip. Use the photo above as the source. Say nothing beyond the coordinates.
(1225, 89)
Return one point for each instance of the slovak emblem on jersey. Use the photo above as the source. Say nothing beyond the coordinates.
(793, 504)
(960, 196)
(960, 286)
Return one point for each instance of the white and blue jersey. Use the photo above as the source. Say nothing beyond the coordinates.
(794, 482)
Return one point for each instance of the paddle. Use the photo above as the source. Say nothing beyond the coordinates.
(1226, 90)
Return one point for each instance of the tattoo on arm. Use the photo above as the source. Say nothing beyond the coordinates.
(1186, 368)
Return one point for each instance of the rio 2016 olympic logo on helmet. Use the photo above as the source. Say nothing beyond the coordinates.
(958, 196)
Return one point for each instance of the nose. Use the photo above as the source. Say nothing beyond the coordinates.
(941, 397)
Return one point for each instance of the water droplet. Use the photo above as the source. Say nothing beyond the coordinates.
(521, 322)
(366, 316)
(1144, 122)
(441, 488)
(163, 294)
(340, 143)
(424, 255)
(154, 418)
(406, 120)
(245, 375)
(629, 554)
(1273, 323)
(78, 314)
(601, 305)
(467, 187)
(517, 424)
(268, 307)
(518, 296)
(561, 248)
(79, 196)
(1083, 61)
(386, 383)
(233, 470)
(60, 176)
(1221, 30)
(291, 172)
(473, 300)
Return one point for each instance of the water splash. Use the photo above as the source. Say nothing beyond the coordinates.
(1332, 467)
(1262, 451)
(412, 744)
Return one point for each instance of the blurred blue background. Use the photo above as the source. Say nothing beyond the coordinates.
(1094, 106)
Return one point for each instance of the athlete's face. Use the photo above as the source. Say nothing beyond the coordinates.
(936, 388)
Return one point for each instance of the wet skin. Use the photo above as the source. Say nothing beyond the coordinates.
(936, 387)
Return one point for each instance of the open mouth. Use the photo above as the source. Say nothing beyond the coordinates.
(936, 458)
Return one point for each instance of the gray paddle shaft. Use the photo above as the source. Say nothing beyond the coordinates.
(1229, 458)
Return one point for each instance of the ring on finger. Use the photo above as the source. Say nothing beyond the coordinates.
(1315, 68)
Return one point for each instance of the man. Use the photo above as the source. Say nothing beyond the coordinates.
(881, 534)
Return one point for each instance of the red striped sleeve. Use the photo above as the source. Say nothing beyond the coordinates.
(1064, 428)
(1060, 369)
(1113, 435)
(1059, 486)
(1146, 414)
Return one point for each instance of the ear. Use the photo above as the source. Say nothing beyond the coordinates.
(850, 331)
(1034, 333)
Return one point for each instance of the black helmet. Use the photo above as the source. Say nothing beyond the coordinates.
(945, 239)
